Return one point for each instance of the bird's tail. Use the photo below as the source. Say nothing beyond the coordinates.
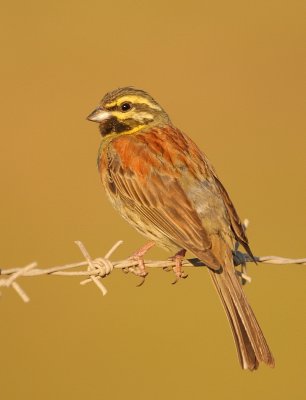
(250, 342)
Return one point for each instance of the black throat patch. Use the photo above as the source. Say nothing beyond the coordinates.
(113, 125)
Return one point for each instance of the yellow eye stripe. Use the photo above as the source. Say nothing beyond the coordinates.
(137, 116)
(133, 99)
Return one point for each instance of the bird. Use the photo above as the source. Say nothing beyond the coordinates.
(160, 181)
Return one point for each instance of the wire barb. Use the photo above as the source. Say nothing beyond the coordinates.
(99, 268)
(102, 266)
(11, 281)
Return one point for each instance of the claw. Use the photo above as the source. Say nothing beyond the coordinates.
(141, 282)
(184, 276)
(140, 269)
(179, 273)
(174, 282)
(177, 269)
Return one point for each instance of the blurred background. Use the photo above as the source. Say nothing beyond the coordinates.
(230, 75)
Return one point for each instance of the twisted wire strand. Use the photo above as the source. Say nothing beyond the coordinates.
(101, 267)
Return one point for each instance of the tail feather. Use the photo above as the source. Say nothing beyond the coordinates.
(250, 342)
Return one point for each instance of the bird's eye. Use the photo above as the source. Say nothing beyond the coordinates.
(125, 107)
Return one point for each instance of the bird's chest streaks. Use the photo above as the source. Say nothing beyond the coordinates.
(126, 198)
(165, 203)
(145, 204)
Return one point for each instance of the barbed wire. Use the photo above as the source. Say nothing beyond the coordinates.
(101, 267)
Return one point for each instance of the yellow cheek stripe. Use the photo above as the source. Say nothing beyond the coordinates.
(133, 99)
(111, 136)
(136, 129)
(119, 115)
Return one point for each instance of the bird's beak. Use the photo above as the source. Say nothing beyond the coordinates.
(99, 115)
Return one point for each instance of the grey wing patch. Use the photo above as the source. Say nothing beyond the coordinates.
(236, 224)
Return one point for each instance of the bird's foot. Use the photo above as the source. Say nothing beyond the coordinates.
(140, 268)
(178, 269)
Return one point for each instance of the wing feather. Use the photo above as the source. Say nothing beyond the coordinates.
(163, 177)
(161, 201)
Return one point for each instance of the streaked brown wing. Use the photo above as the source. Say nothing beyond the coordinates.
(233, 218)
(236, 224)
(149, 187)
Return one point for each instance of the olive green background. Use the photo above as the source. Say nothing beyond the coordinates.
(230, 74)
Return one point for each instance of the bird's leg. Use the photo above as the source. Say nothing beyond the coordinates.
(177, 269)
(140, 269)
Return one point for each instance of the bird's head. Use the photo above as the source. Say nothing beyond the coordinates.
(127, 110)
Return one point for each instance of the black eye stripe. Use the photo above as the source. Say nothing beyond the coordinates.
(113, 108)
(136, 106)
